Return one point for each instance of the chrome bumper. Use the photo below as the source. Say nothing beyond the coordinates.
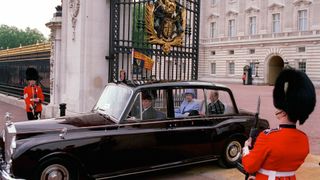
(4, 174)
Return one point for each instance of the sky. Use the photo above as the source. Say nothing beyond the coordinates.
(28, 13)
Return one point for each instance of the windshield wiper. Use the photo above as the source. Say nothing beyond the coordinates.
(100, 109)
(106, 116)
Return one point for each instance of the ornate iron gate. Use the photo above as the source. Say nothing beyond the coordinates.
(130, 26)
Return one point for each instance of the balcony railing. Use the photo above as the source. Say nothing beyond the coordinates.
(263, 36)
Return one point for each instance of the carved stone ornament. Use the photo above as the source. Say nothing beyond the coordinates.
(232, 13)
(299, 2)
(275, 5)
(165, 23)
(52, 67)
(252, 9)
(74, 7)
(213, 16)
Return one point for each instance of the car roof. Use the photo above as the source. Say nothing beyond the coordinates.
(176, 84)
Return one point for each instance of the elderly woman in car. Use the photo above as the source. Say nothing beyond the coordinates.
(189, 106)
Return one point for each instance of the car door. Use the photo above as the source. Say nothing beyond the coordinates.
(190, 137)
(138, 143)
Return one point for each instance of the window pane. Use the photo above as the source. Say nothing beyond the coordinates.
(302, 66)
(160, 103)
(301, 49)
(276, 23)
(135, 112)
(188, 102)
(213, 68)
(302, 20)
(213, 2)
(232, 30)
(253, 68)
(231, 68)
(218, 102)
(212, 29)
(252, 25)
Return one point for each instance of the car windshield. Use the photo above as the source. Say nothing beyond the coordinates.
(113, 101)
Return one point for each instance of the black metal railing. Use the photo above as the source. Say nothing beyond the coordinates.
(14, 63)
(18, 92)
(128, 31)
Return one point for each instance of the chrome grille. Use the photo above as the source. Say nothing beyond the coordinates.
(9, 140)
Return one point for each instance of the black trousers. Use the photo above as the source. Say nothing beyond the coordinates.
(36, 115)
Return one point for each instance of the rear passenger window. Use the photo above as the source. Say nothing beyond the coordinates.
(218, 102)
(188, 102)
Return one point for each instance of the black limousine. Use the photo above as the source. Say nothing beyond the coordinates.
(117, 138)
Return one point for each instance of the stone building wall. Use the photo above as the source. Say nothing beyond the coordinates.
(265, 50)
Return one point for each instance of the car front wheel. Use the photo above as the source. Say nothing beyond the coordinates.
(231, 153)
(56, 168)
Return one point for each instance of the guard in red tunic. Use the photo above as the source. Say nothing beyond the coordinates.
(33, 95)
(278, 153)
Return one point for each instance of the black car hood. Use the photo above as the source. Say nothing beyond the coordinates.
(57, 124)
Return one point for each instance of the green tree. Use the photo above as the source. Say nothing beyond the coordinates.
(11, 37)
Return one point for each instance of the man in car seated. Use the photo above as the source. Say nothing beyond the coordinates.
(189, 106)
(148, 111)
(215, 106)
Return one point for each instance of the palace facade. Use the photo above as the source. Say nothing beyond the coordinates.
(266, 35)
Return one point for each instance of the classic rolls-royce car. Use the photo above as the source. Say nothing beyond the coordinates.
(133, 128)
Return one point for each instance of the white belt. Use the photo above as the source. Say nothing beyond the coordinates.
(273, 174)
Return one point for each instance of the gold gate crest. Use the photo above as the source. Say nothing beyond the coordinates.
(165, 23)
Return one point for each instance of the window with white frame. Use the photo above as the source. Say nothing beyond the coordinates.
(213, 2)
(231, 28)
(302, 20)
(276, 23)
(253, 67)
(231, 67)
(213, 68)
(252, 25)
(213, 29)
(302, 65)
(302, 49)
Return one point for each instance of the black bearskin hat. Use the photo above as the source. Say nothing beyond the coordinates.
(294, 93)
(32, 74)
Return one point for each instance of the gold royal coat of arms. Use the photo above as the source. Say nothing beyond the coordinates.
(165, 23)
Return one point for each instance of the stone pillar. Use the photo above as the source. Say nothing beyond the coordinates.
(83, 69)
(52, 109)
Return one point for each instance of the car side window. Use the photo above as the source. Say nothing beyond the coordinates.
(160, 103)
(135, 112)
(188, 102)
(218, 102)
(149, 105)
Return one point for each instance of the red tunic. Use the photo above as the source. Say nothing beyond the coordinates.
(30, 93)
(281, 150)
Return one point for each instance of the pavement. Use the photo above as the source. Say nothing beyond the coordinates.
(17, 113)
(246, 98)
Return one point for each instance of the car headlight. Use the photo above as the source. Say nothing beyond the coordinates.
(9, 141)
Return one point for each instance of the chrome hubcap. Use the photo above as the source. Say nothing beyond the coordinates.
(233, 151)
(55, 172)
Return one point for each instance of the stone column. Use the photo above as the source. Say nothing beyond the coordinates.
(83, 69)
(52, 109)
